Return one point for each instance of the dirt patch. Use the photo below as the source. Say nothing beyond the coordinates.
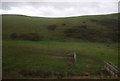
(35, 74)
(39, 74)
(47, 75)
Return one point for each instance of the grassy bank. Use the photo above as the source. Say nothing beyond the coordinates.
(50, 57)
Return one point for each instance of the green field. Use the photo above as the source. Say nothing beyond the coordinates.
(43, 47)
(27, 58)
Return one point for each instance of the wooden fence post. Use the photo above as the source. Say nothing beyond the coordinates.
(75, 59)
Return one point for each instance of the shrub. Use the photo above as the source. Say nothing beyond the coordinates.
(22, 37)
(34, 37)
(29, 36)
(92, 35)
(63, 24)
(83, 22)
(52, 27)
(107, 22)
(14, 35)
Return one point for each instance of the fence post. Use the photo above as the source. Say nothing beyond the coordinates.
(75, 59)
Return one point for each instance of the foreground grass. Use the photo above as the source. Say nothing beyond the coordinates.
(48, 56)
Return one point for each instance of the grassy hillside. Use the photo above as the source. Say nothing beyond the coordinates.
(90, 28)
(54, 40)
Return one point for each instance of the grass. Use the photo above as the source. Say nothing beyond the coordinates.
(22, 24)
(51, 54)
(19, 55)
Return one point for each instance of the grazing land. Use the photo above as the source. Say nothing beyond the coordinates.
(44, 47)
(27, 58)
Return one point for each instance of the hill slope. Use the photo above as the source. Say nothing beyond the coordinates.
(93, 28)
(51, 57)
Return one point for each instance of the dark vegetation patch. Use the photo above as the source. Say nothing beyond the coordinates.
(29, 36)
(14, 35)
(64, 24)
(83, 26)
(83, 22)
(35, 74)
(94, 20)
(108, 22)
(112, 25)
(92, 35)
(41, 74)
(52, 27)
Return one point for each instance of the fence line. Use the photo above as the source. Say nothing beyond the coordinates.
(111, 69)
